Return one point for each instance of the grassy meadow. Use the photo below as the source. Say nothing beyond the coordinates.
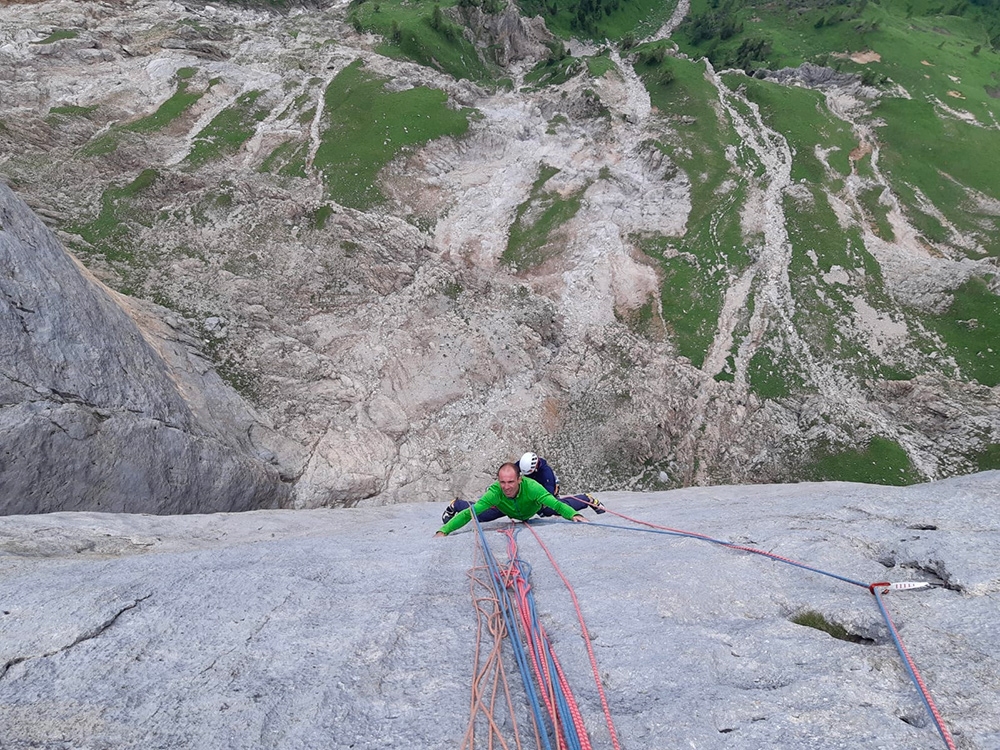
(935, 121)
(423, 33)
(366, 126)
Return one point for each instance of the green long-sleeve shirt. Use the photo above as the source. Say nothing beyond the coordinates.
(530, 498)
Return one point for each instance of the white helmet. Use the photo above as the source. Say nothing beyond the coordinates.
(528, 463)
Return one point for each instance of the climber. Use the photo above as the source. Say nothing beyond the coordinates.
(531, 466)
(535, 467)
(511, 495)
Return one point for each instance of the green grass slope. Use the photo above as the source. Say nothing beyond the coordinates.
(935, 123)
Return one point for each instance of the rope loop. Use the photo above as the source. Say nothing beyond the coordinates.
(514, 614)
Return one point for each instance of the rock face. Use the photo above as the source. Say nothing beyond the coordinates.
(401, 349)
(92, 416)
(355, 628)
(509, 37)
(815, 76)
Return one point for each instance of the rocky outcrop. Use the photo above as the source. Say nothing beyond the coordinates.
(93, 416)
(813, 76)
(402, 349)
(508, 36)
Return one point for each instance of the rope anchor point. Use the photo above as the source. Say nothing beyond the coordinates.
(885, 586)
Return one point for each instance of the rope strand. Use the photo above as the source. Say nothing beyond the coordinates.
(925, 695)
(506, 608)
(512, 602)
(586, 638)
(873, 588)
(568, 727)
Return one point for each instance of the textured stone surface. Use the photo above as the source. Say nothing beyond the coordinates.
(354, 628)
(95, 415)
(394, 352)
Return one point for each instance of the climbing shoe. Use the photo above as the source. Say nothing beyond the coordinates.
(596, 504)
(449, 513)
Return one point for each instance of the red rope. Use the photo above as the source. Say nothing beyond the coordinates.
(574, 709)
(541, 652)
(586, 639)
(535, 638)
(873, 588)
(925, 693)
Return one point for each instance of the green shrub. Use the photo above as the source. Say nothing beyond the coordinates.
(59, 35)
(111, 233)
(971, 330)
(170, 110)
(429, 38)
(813, 619)
(536, 221)
(882, 462)
(72, 111)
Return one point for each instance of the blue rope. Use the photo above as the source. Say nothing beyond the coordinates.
(507, 609)
(562, 704)
(735, 546)
(938, 722)
(909, 668)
